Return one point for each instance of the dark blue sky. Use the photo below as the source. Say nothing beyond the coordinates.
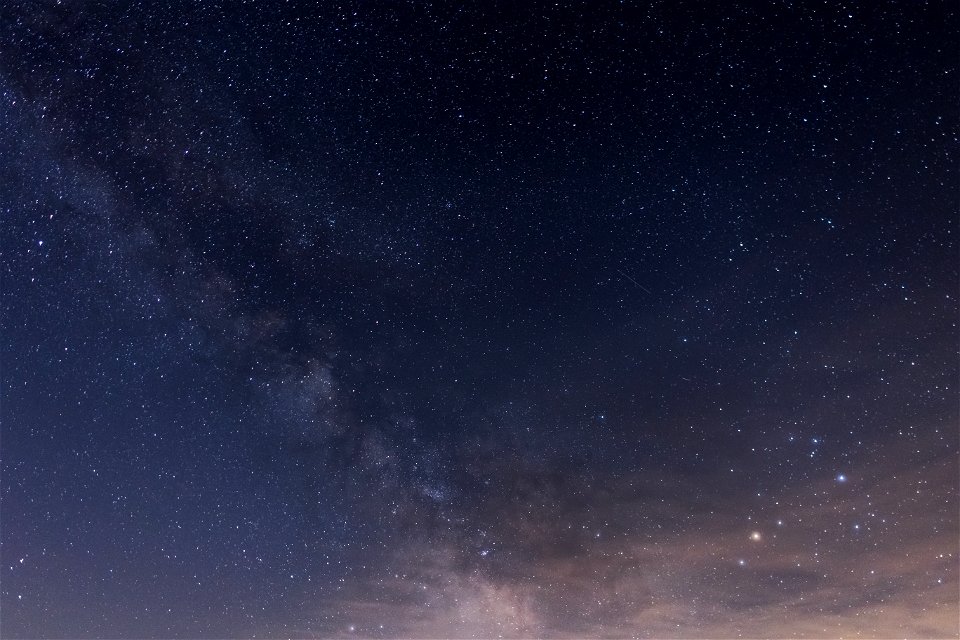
(476, 320)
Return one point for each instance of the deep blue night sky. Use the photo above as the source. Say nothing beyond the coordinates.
(475, 320)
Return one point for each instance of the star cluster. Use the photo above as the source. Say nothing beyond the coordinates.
(422, 320)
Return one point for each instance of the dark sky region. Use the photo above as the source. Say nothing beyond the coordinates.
(480, 319)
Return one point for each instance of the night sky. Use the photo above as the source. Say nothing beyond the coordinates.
(481, 319)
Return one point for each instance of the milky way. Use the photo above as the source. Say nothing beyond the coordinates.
(476, 320)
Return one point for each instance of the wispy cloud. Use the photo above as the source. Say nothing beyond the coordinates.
(616, 558)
